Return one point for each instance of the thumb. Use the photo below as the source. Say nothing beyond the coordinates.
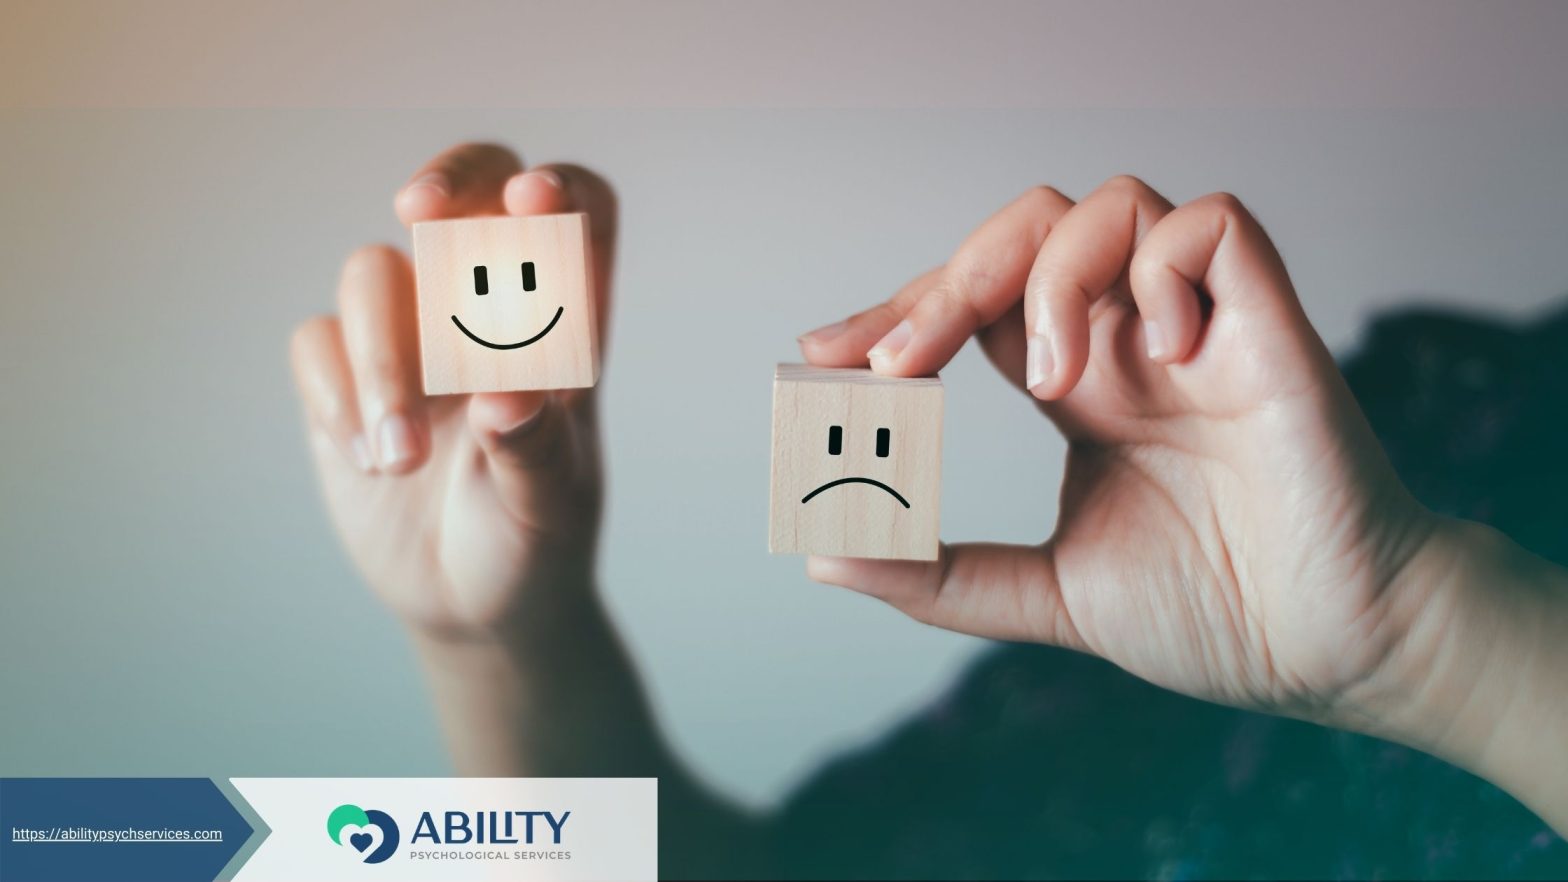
(532, 448)
(1003, 592)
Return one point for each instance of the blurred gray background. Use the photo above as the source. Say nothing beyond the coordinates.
(172, 600)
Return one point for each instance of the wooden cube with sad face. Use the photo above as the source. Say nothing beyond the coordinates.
(506, 303)
(857, 464)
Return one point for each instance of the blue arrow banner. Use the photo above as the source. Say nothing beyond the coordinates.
(132, 829)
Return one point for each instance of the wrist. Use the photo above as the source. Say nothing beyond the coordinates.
(1474, 670)
(512, 696)
(535, 628)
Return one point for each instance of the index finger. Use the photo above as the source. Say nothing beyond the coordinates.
(562, 187)
(555, 189)
(1084, 257)
(978, 286)
(461, 181)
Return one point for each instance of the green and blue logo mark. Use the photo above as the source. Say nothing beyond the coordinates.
(369, 833)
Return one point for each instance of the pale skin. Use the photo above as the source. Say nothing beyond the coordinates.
(1229, 527)
(475, 517)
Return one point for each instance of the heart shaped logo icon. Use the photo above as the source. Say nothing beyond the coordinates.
(369, 833)
(363, 838)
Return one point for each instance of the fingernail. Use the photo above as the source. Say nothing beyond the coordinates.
(1038, 361)
(825, 333)
(1155, 338)
(888, 348)
(397, 444)
(360, 448)
(433, 181)
(549, 178)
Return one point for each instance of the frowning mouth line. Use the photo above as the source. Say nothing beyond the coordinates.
(534, 339)
(831, 484)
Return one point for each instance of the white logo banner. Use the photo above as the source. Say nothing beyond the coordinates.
(409, 829)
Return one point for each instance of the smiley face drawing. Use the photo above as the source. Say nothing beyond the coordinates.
(482, 288)
(856, 464)
(506, 304)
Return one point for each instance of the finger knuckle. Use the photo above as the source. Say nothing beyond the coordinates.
(489, 150)
(1145, 261)
(1044, 197)
(1228, 204)
(1050, 286)
(1145, 265)
(472, 156)
(387, 374)
(1128, 185)
(957, 293)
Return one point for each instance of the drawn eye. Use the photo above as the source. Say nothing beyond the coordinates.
(528, 276)
(481, 281)
(884, 441)
(835, 440)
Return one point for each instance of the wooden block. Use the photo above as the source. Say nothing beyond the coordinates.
(506, 303)
(857, 464)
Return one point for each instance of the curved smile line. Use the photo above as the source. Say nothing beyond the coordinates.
(534, 339)
(831, 484)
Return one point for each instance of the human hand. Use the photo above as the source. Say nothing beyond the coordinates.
(465, 512)
(1228, 524)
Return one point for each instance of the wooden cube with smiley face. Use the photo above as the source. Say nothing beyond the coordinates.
(506, 304)
(857, 464)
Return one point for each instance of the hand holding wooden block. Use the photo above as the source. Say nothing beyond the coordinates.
(857, 464)
(506, 304)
